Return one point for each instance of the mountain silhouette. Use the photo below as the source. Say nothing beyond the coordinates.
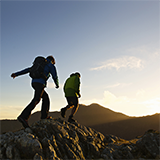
(90, 115)
(100, 118)
(130, 128)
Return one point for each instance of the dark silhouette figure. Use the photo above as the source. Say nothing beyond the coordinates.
(72, 93)
(39, 85)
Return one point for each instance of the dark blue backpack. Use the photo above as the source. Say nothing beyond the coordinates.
(37, 69)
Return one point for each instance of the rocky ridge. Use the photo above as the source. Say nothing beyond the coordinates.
(55, 139)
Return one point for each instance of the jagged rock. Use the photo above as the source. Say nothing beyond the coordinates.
(48, 149)
(37, 157)
(28, 143)
(55, 139)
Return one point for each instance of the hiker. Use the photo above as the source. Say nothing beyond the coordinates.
(72, 93)
(39, 85)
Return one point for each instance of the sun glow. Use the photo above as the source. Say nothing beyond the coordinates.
(153, 105)
(130, 106)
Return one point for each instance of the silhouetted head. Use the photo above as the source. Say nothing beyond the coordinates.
(72, 74)
(52, 59)
(77, 73)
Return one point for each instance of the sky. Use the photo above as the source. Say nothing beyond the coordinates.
(113, 44)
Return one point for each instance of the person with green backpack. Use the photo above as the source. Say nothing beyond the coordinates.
(72, 93)
(39, 72)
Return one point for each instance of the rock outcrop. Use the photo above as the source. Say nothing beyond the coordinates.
(56, 139)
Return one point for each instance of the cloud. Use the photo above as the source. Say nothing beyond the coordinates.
(153, 101)
(153, 105)
(118, 85)
(129, 62)
(108, 99)
(129, 106)
(140, 93)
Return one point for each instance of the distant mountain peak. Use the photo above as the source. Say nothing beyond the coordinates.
(100, 118)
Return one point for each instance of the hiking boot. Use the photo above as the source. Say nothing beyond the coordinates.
(49, 117)
(63, 112)
(71, 120)
(23, 121)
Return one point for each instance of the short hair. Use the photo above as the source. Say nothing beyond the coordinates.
(77, 73)
(51, 58)
(74, 74)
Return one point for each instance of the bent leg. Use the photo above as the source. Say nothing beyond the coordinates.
(72, 103)
(76, 106)
(69, 106)
(74, 110)
(39, 89)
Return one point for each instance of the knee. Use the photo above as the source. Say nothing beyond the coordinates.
(45, 97)
(37, 101)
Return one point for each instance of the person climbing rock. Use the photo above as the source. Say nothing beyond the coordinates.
(38, 84)
(72, 93)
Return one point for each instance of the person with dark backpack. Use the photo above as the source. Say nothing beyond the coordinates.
(39, 72)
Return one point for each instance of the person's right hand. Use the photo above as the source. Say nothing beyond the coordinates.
(79, 95)
(57, 87)
(13, 75)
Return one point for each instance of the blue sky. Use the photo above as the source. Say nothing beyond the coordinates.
(113, 44)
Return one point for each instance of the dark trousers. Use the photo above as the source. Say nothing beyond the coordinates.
(39, 93)
(72, 103)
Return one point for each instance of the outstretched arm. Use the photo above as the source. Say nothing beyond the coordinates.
(25, 71)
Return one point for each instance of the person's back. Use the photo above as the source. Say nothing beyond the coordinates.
(72, 93)
(71, 87)
(48, 69)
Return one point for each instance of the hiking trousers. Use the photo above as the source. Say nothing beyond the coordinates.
(39, 93)
(72, 103)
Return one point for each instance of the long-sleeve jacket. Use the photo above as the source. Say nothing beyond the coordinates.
(72, 86)
(48, 69)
